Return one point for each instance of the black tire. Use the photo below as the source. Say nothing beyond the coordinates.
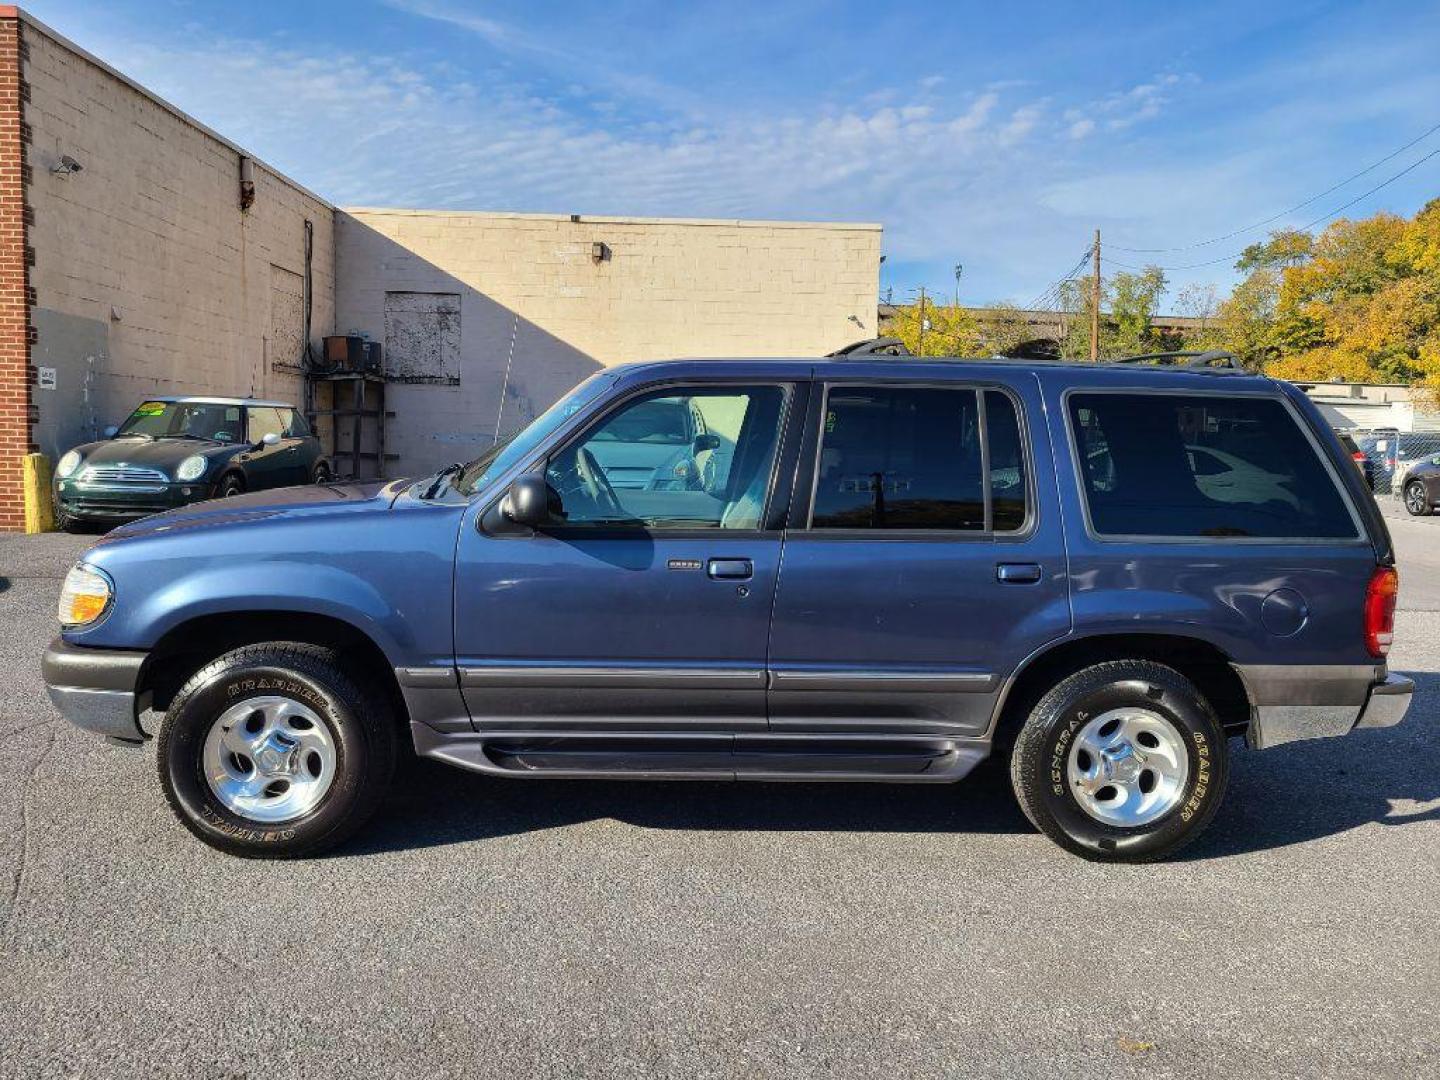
(358, 719)
(1039, 763)
(1417, 499)
(231, 484)
(322, 474)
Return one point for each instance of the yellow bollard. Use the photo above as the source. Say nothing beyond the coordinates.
(39, 495)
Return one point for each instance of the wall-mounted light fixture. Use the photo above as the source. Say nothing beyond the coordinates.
(66, 166)
(247, 183)
(599, 252)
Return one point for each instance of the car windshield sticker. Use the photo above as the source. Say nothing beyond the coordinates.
(232, 414)
(150, 408)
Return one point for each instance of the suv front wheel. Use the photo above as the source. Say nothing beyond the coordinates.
(1124, 761)
(275, 751)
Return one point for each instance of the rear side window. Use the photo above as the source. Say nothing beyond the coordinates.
(1188, 466)
(898, 458)
(1007, 463)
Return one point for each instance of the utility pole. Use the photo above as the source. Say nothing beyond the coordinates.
(959, 269)
(1095, 303)
(922, 320)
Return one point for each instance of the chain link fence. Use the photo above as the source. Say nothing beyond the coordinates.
(1386, 456)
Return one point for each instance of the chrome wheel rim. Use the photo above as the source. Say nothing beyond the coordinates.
(269, 759)
(1127, 767)
(1415, 498)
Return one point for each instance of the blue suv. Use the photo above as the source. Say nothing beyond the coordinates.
(873, 570)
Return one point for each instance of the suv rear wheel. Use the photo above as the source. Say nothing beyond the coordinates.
(1121, 762)
(275, 751)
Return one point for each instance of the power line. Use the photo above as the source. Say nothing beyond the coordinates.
(1284, 213)
(1308, 225)
(1055, 287)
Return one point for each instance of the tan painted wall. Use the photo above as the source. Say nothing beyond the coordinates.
(669, 287)
(148, 277)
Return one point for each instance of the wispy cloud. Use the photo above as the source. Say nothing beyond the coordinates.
(478, 110)
(587, 71)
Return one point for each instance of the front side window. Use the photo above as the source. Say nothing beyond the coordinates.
(1190, 466)
(295, 424)
(698, 458)
(909, 458)
(265, 420)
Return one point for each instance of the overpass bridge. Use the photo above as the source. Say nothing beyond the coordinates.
(1050, 325)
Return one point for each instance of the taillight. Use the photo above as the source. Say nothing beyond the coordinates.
(1359, 455)
(1380, 610)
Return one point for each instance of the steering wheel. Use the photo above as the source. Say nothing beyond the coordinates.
(597, 485)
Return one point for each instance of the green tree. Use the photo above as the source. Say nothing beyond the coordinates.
(1128, 305)
(1135, 300)
(948, 330)
(1285, 247)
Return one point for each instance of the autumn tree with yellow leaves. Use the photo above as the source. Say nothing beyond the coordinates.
(1359, 303)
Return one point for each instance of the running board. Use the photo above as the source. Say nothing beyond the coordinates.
(718, 756)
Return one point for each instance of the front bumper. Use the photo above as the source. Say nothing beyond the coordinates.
(95, 688)
(1290, 703)
(125, 502)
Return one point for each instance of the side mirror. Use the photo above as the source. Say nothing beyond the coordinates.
(706, 442)
(111, 431)
(268, 439)
(530, 501)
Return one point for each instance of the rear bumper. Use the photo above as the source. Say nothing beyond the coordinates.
(1290, 703)
(1388, 702)
(95, 688)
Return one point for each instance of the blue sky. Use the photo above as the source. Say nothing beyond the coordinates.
(997, 135)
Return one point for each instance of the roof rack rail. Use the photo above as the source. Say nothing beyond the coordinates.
(880, 346)
(1214, 358)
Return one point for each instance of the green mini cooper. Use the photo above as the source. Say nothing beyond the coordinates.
(178, 450)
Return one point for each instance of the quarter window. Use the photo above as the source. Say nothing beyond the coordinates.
(1166, 465)
(694, 459)
(898, 458)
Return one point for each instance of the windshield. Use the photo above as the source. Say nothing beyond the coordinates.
(178, 419)
(504, 454)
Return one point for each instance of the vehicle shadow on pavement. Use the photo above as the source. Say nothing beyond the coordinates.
(1309, 790)
(434, 804)
(1289, 795)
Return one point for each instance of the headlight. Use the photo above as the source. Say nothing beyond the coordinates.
(68, 464)
(84, 596)
(192, 468)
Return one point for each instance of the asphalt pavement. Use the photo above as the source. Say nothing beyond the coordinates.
(486, 927)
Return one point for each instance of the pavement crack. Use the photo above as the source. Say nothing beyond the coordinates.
(17, 883)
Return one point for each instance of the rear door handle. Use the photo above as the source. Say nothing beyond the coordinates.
(730, 569)
(1017, 573)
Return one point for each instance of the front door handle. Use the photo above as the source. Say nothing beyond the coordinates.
(730, 569)
(1017, 573)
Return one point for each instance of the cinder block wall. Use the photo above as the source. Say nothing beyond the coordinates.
(459, 297)
(148, 276)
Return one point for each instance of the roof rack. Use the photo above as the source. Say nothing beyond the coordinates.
(1215, 358)
(880, 346)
